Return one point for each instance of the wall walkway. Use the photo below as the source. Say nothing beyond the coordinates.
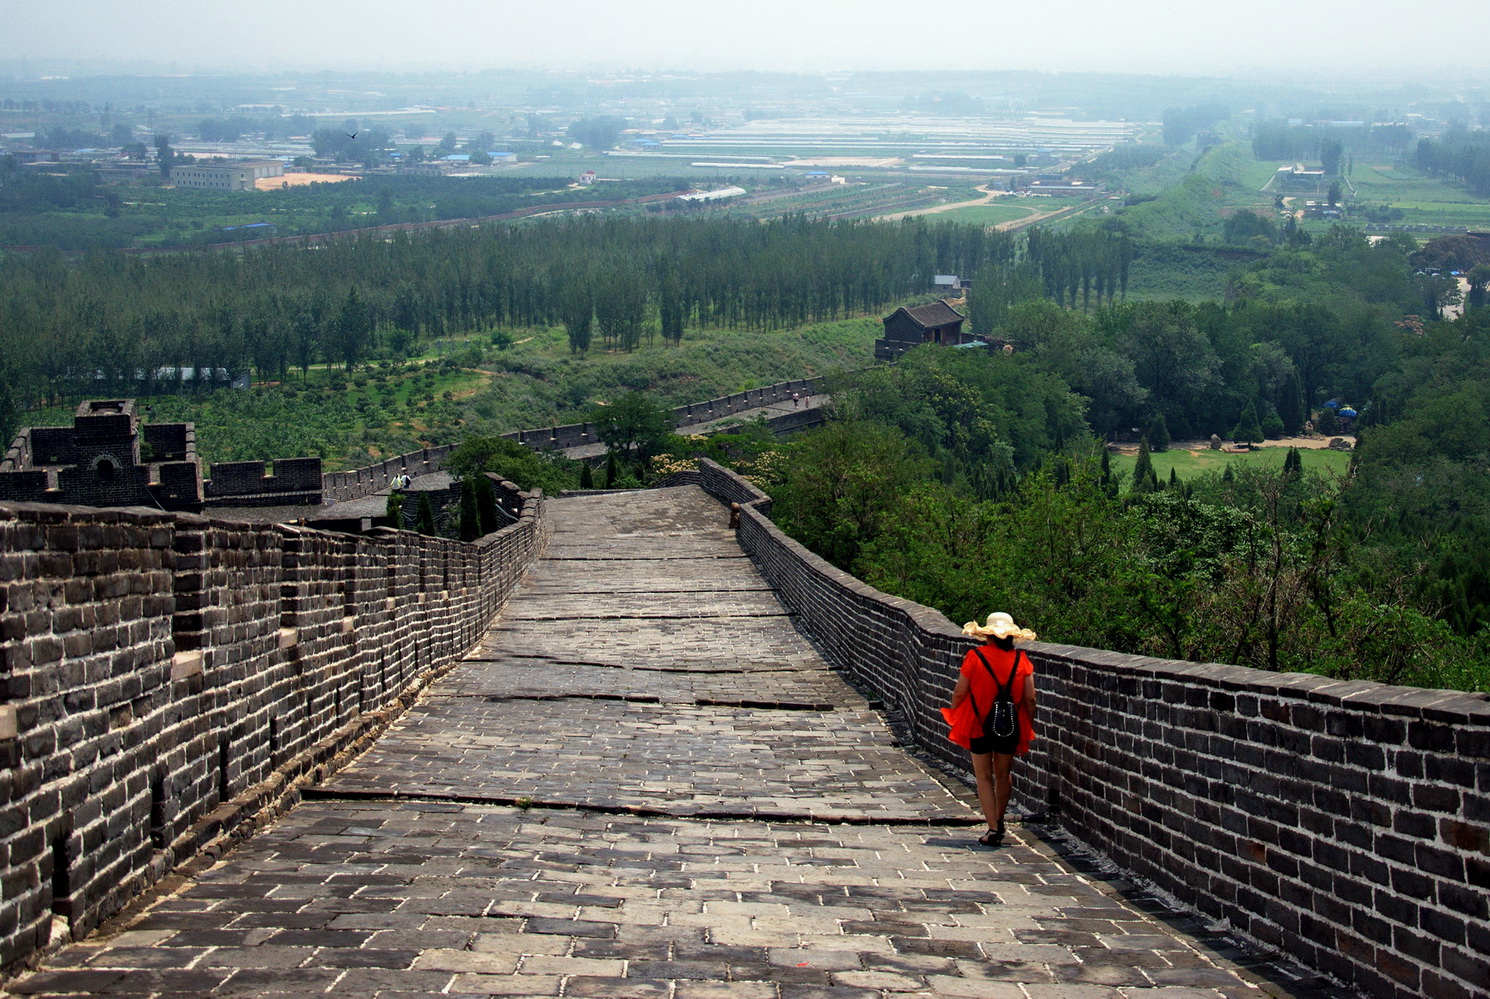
(645, 781)
(1344, 823)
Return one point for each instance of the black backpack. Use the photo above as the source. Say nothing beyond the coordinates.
(1001, 720)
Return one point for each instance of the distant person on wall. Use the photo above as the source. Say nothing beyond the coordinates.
(796, 399)
(992, 713)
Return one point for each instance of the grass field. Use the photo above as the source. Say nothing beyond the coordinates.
(1192, 464)
(984, 214)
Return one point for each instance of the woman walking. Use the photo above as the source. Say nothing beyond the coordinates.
(992, 713)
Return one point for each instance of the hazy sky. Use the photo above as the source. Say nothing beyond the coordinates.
(1208, 37)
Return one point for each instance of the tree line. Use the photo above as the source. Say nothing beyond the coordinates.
(1459, 154)
(109, 323)
(1280, 140)
(965, 481)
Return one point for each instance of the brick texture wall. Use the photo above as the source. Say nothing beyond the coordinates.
(165, 679)
(338, 487)
(1346, 824)
(580, 434)
(359, 482)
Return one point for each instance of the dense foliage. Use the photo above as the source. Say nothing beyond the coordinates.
(117, 324)
(1460, 154)
(967, 482)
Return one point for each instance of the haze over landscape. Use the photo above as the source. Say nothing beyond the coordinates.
(1370, 38)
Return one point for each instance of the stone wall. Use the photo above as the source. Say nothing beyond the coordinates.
(1346, 824)
(287, 482)
(167, 678)
(337, 487)
(580, 434)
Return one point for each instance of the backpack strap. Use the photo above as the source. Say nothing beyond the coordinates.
(999, 688)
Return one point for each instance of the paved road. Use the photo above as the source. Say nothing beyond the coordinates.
(643, 783)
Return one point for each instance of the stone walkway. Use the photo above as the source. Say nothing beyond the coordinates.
(645, 782)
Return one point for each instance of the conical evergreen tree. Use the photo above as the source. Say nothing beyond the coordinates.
(469, 526)
(612, 470)
(1247, 429)
(1158, 433)
(486, 504)
(1144, 479)
(586, 476)
(424, 519)
(1293, 463)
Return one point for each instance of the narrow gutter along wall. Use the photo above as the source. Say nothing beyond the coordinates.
(1345, 824)
(165, 677)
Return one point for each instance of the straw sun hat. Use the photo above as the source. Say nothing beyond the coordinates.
(1000, 625)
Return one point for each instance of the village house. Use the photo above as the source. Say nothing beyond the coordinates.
(910, 327)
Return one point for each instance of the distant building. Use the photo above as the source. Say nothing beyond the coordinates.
(910, 327)
(705, 197)
(241, 176)
(1296, 178)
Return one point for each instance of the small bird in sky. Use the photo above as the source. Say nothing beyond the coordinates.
(352, 135)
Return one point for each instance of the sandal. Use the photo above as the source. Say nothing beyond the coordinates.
(992, 838)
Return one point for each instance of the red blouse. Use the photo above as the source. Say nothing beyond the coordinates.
(966, 722)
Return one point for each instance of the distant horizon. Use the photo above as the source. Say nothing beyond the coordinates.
(1360, 41)
(32, 69)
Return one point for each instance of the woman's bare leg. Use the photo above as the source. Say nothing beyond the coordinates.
(1003, 786)
(987, 796)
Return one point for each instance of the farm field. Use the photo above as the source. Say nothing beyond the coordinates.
(1190, 464)
(1423, 200)
(992, 214)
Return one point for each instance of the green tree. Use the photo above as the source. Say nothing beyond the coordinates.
(1479, 279)
(844, 484)
(1145, 479)
(353, 329)
(468, 521)
(477, 454)
(599, 132)
(1247, 429)
(1293, 463)
(1272, 425)
(424, 518)
(1330, 152)
(1157, 433)
(165, 157)
(634, 425)
(577, 312)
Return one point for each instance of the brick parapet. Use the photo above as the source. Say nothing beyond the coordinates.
(163, 677)
(1346, 824)
(338, 487)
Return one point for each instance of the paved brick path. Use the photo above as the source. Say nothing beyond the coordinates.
(646, 783)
